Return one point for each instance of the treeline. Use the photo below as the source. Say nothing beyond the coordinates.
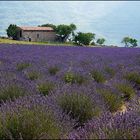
(67, 33)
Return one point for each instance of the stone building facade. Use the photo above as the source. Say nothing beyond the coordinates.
(39, 34)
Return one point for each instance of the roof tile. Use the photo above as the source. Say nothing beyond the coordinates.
(37, 28)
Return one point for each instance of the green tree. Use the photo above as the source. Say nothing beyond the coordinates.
(64, 31)
(100, 41)
(129, 41)
(126, 41)
(12, 31)
(48, 25)
(84, 38)
(133, 42)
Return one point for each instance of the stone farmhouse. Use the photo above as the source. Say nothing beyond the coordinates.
(39, 34)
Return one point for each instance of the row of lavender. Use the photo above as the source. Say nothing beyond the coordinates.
(69, 92)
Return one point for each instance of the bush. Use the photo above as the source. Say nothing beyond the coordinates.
(69, 77)
(74, 78)
(33, 75)
(127, 90)
(110, 71)
(29, 124)
(53, 70)
(11, 92)
(78, 106)
(45, 88)
(22, 66)
(113, 101)
(79, 79)
(98, 76)
(133, 77)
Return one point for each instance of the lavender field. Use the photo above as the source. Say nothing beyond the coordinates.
(49, 92)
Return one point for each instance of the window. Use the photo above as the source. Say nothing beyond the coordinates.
(37, 35)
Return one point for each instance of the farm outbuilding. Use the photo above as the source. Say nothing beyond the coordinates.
(40, 34)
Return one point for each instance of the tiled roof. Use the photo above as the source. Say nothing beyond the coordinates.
(36, 28)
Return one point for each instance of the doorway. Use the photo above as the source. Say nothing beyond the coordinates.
(30, 39)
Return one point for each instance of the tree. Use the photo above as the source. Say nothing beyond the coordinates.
(126, 41)
(100, 41)
(48, 25)
(133, 42)
(64, 31)
(12, 31)
(129, 41)
(83, 38)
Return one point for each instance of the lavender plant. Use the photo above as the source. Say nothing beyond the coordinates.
(29, 124)
(74, 78)
(71, 107)
(53, 70)
(69, 78)
(110, 127)
(98, 76)
(110, 71)
(45, 88)
(133, 77)
(33, 75)
(127, 91)
(113, 101)
(22, 66)
(78, 106)
(11, 92)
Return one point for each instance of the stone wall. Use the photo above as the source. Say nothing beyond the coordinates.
(38, 35)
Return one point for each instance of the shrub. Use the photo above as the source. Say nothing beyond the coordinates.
(110, 71)
(45, 88)
(78, 106)
(98, 76)
(74, 78)
(113, 101)
(69, 77)
(21, 66)
(53, 70)
(133, 77)
(127, 90)
(79, 79)
(33, 75)
(11, 92)
(30, 124)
